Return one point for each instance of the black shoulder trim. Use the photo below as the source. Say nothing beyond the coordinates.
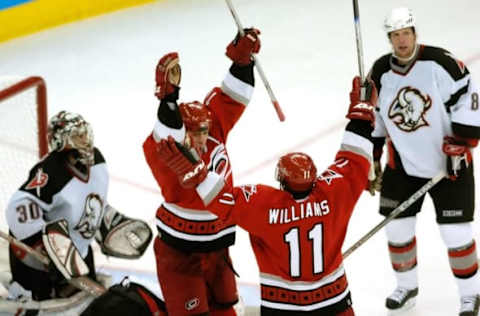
(243, 73)
(169, 114)
(466, 131)
(53, 165)
(455, 68)
(381, 66)
(456, 96)
(98, 156)
(360, 127)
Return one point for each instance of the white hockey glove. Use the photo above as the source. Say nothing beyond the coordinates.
(121, 236)
(61, 250)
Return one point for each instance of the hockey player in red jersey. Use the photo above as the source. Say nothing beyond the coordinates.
(297, 231)
(191, 249)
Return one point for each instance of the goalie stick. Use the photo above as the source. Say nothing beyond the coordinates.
(82, 283)
(402, 207)
(279, 111)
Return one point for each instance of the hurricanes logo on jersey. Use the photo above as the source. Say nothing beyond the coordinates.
(408, 109)
(328, 176)
(91, 217)
(248, 190)
(219, 162)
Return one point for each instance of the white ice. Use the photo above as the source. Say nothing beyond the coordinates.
(103, 67)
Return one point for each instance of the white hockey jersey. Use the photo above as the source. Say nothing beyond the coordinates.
(418, 104)
(55, 190)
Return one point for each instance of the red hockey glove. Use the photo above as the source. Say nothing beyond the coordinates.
(362, 107)
(459, 156)
(189, 173)
(167, 75)
(242, 47)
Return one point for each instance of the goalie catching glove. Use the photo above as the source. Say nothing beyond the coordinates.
(121, 236)
(167, 75)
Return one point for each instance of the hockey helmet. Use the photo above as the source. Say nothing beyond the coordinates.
(296, 172)
(399, 18)
(196, 116)
(68, 130)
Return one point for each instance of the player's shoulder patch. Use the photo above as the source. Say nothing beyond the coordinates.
(248, 191)
(454, 66)
(47, 177)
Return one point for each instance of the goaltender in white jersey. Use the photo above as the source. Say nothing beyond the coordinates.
(59, 210)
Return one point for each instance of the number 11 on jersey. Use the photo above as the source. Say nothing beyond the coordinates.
(315, 236)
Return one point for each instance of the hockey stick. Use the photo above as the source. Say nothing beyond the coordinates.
(402, 207)
(279, 111)
(358, 37)
(51, 305)
(82, 283)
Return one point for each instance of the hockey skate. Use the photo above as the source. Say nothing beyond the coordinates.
(469, 305)
(401, 300)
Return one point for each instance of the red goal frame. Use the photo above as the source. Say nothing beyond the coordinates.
(39, 84)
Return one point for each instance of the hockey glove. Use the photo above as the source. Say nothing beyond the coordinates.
(459, 156)
(375, 184)
(189, 172)
(362, 107)
(240, 50)
(121, 236)
(167, 75)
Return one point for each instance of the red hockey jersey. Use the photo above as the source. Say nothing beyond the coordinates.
(297, 243)
(182, 220)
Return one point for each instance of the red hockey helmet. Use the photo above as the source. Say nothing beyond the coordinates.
(296, 171)
(196, 116)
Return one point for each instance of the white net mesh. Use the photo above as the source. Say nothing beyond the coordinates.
(19, 146)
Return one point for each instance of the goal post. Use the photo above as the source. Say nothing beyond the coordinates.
(23, 135)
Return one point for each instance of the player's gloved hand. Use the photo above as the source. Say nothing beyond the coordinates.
(240, 50)
(167, 75)
(459, 156)
(362, 107)
(190, 173)
(375, 180)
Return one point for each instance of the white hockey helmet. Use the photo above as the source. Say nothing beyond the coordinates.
(398, 18)
(68, 130)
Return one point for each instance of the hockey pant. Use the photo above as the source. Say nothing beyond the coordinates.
(195, 283)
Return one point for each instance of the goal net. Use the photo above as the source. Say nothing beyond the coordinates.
(23, 137)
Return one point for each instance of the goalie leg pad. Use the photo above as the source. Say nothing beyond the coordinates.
(62, 252)
(121, 236)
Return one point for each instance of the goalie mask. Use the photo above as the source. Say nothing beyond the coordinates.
(68, 130)
(296, 172)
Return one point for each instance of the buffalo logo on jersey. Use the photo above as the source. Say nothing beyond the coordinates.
(409, 108)
(91, 217)
(39, 181)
